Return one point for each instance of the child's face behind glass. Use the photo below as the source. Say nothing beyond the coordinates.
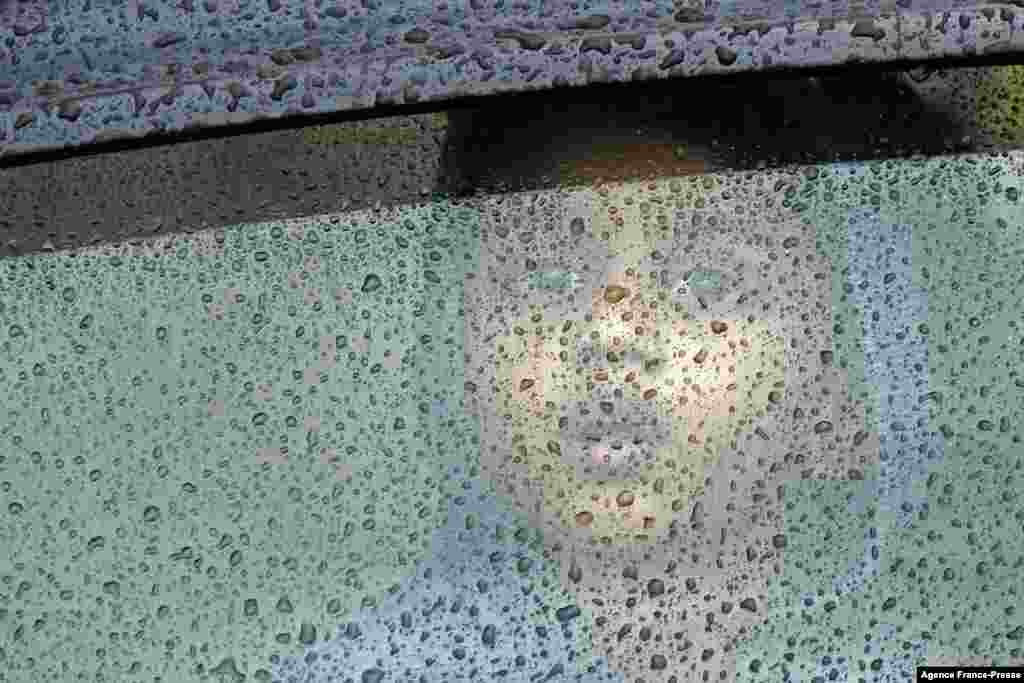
(645, 376)
(617, 360)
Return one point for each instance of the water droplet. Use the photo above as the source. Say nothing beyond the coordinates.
(372, 676)
(151, 515)
(613, 294)
(371, 284)
(567, 613)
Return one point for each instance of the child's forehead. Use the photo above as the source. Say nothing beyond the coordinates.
(626, 224)
(616, 253)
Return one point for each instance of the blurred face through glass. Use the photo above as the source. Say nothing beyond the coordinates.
(623, 353)
(646, 371)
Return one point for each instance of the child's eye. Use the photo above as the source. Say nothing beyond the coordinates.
(704, 280)
(553, 289)
(704, 284)
(708, 291)
(560, 280)
(557, 290)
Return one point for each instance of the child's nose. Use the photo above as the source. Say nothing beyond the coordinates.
(626, 336)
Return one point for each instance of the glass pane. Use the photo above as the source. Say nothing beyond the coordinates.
(317, 409)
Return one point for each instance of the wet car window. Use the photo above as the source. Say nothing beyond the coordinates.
(612, 387)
